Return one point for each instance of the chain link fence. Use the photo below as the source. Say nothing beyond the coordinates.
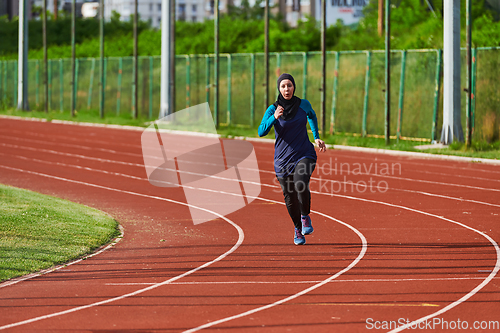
(355, 97)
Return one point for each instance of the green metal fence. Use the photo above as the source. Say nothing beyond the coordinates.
(354, 93)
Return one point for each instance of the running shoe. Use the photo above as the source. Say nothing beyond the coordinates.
(299, 239)
(306, 225)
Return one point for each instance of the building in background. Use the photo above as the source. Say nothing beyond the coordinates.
(150, 10)
(39, 3)
(10, 8)
(62, 5)
(296, 10)
(348, 11)
(200, 10)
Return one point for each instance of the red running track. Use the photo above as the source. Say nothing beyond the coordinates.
(397, 240)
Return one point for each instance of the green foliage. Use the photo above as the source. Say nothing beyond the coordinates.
(476, 146)
(486, 31)
(118, 34)
(415, 26)
(247, 12)
(240, 31)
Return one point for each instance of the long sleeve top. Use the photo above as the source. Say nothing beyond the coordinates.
(292, 142)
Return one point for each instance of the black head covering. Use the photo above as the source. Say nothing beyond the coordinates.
(291, 106)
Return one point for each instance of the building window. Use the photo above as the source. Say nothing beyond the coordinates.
(182, 12)
(194, 8)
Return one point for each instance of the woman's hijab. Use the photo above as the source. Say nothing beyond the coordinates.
(290, 106)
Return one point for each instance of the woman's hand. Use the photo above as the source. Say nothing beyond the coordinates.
(321, 144)
(279, 112)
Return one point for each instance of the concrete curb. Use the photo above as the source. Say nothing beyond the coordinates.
(417, 154)
(266, 140)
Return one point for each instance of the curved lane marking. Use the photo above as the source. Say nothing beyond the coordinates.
(264, 171)
(470, 294)
(344, 152)
(465, 297)
(448, 307)
(222, 256)
(240, 240)
(262, 184)
(317, 285)
(303, 292)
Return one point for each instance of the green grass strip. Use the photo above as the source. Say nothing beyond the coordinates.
(39, 231)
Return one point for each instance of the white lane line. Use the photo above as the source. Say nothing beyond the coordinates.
(262, 184)
(484, 282)
(70, 145)
(448, 307)
(264, 171)
(301, 293)
(435, 183)
(407, 160)
(494, 272)
(465, 297)
(455, 175)
(351, 265)
(55, 152)
(301, 282)
(345, 150)
(222, 256)
(58, 138)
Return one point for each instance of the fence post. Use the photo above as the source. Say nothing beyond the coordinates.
(5, 82)
(367, 90)
(49, 84)
(104, 74)
(188, 81)
(229, 90)
(207, 74)
(15, 81)
(401, 94)
(119, 88)
(134, 89)
(473, 95)
(335, 91)
(252, 84)
(436, 93)
(92, 68)
(304, 83)
(37, 82)
(1, 80)
(278, 69)
(61, 86)
(150, 87)
(77, 69)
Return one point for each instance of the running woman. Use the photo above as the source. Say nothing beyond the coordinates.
(294, 155)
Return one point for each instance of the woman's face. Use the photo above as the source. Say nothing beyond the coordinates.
(286, 89)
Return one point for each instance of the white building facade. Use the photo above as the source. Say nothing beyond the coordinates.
(150, 10)
(349, 11)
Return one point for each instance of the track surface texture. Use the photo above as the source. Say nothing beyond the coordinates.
(396, 240)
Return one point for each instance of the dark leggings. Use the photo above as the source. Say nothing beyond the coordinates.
(295, 189)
